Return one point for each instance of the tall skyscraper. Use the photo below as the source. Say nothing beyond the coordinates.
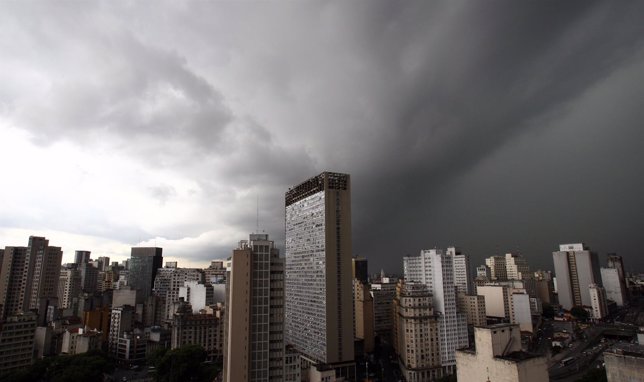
(254, 333)
(143, 266)
(319, 301)
(616, 262)
(435, 269)
(576, 267)
(360, 269)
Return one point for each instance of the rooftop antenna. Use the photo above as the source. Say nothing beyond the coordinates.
(257, 214)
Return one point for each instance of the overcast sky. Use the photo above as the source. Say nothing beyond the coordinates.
(492, 126)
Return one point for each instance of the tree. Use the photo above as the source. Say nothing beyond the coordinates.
(579, 313)
(548, 311)
(184, 364)
(66, 368)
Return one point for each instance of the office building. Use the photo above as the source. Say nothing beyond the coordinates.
(121, 322)
(360, 269)
(319, 303)
(521, 310)
(215, 273)
(17, 342)
(497, 300)
(473, 306)
(435, 269)
(383, 294)
(576, 268)
(82, 257)
(143, 265)
(624, 362)
(615, 288)
(461, 266)
(254, 332)
(497, 264)
(204, 329)
(483, 272)
(13, 280)
(168, 283)
(363, 307)
(416, 333)
(498, 357)
(516, 267)
(69, 286)
(44, 270)
(598, 301)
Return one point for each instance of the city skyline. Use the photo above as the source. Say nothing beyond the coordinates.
(121, 131)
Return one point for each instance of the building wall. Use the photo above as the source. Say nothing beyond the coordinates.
(623, 367)
(319, 303)
(496, 300)
(17, 342)
(364, 315)
(615, 290)
(521, 312)
(474, 308)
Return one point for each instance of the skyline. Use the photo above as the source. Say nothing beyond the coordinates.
(493, 127)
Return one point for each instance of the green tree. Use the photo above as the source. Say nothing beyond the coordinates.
(184, 364)
(548, 311)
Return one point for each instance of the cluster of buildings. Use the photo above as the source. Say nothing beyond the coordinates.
(312, 315)
(128, 309)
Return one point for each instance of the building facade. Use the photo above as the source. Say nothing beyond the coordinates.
(143, 265)
(254, 324)
(615, 287)
(319, 303)
(576, 268)
(462, 274)
(598, 301)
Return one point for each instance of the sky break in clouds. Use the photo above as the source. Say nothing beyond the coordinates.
(494, 126)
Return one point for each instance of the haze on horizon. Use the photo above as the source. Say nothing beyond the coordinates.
(494, 126)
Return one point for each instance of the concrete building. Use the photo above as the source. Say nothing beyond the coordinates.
(624, 363)
(13, 281)
(615, 287)
(197, 295)
(121, 322)
(521, 311)
(416, 333)
(461, 266)
(363, 307)
(497, 266)
(544, 286)
(360, 269)
(17, 342)
(516, 267)
(170, 280)
(474, 308)
(498, 357)
(434, 269)
(576, 268)
(69, 286)
(78, 341)
(44, 270)
(215, 273)
(143, 265)
(204, 329)
(497, 300)
(82, 257)
(254, 324)
(319, 301)
(598, 301)
(483, 272)
(383, 294)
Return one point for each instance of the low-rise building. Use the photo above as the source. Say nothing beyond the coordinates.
(474, 308)
(17, 342)
(497, 356)
(624, 362)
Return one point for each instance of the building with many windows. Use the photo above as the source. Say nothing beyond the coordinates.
(319, 300)
(17, 342)
(143, 265)
(254, 324)
(576, 268)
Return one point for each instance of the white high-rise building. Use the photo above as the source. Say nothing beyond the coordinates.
(576, 268)
(435, 269)
(461, 267)
(318, 274)
(615, 290)
(598, 301)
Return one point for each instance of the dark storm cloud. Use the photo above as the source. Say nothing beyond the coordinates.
(411, 98)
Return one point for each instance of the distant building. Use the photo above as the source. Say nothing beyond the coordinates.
(615, 287)
(576, 268)
(521, 311)
(44, 270)
(143, 265)
(416, 333)
(497, 356)
(80, 341)
(69, 286)
(598, 301)
(204, 329)
(483, 272)
(497, 267)
(82, 257)
(360, 267)
(435, 269)
(170, 280)
(461, 266)
(474, 308)
(363, 306)
(497, 300)
(215, 273)
(121, 322)
(516, 267)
